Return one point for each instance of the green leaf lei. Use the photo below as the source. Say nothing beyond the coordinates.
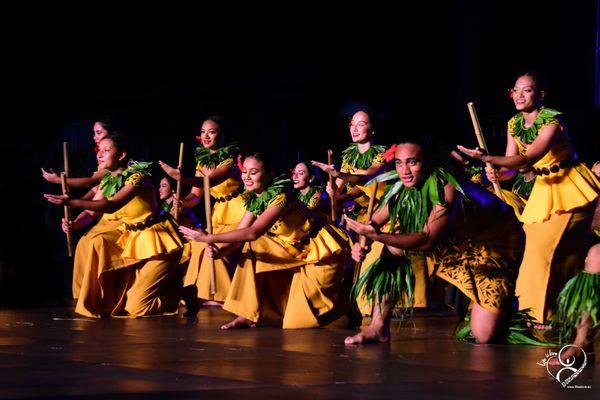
(210, 160)
(305, 198)
(411, 206)
(528, 135)
(110, 185)
(355, 159)
(522, 187)
(257, 205)
(165, 206)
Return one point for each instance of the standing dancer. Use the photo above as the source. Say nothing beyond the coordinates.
(559, 211)
(473, 239)
(291, 266)
(218, 162)
(146, 281)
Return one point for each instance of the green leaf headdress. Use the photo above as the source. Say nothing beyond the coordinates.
(110, 185)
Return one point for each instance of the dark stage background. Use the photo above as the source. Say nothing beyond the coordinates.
(284, 77)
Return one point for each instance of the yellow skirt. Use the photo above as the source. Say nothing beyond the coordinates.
(97, 249)
(199, 270)
(288, 290)
(149, 287)
(554, 252)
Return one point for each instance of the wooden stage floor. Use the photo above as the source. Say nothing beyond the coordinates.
(52, 353)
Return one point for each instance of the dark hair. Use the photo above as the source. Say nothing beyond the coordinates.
(107, 123)
(435, 153)
(312, 172)
(172, 182)
(373, 117)
(267, 162)
(219, 120)
(537, 78)
(121, 143)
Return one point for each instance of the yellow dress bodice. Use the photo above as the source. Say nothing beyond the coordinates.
(302, 233)
(157, 238)
(228, 206)
(559, 188)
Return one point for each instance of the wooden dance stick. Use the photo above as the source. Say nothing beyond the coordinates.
(362, 239)
(66, 159)
(482, 144)
(178, 191)
(65, 190)
(332, 183)
(208, 212)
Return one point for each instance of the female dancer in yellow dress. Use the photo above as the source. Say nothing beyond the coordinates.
(167, 197)
(473, 241)
(559, 211)
(218, 162)
(104, 234)
(292, 263)
(147, 281)
(308, 189)
(102, 128)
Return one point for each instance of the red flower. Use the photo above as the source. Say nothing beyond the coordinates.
(199, 138)
(390, 153)
(239, 162)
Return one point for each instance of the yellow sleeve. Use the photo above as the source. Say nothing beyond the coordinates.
(135, 179)
(280, 201)
(226, 163)
(378, 159)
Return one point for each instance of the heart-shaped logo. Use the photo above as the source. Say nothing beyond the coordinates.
(569, 367)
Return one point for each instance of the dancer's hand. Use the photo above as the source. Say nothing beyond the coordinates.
(491, 174)
(330, 191)
(596, 169)
(212, 251)
(50, 176)
(359, 252)
(174, 173)
(365, 230)
(475, 153)
(328, 168)
(193, 235)
(58, 199)
(67, 226)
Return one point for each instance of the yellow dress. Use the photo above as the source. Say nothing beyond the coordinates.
(482, 250)
(293, 273)
(97, 246)
(228, 210)
(556, 220)
(147, 280)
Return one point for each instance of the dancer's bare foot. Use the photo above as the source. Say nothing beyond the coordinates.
(239, 323)
(210, 303)
(370, 335)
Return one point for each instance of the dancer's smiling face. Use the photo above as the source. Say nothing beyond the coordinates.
(109, 156)
(100, 132)
(301, 176)
(409, 164)
(164, 189)
(254, 176)
(526, 95)
(361, 128)
(209, 134)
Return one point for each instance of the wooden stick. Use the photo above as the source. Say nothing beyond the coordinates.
(65, 190)
(362, 239)
(208, 212)
(178, 191)
(332, 183)
(482, 144)
(66, 159)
